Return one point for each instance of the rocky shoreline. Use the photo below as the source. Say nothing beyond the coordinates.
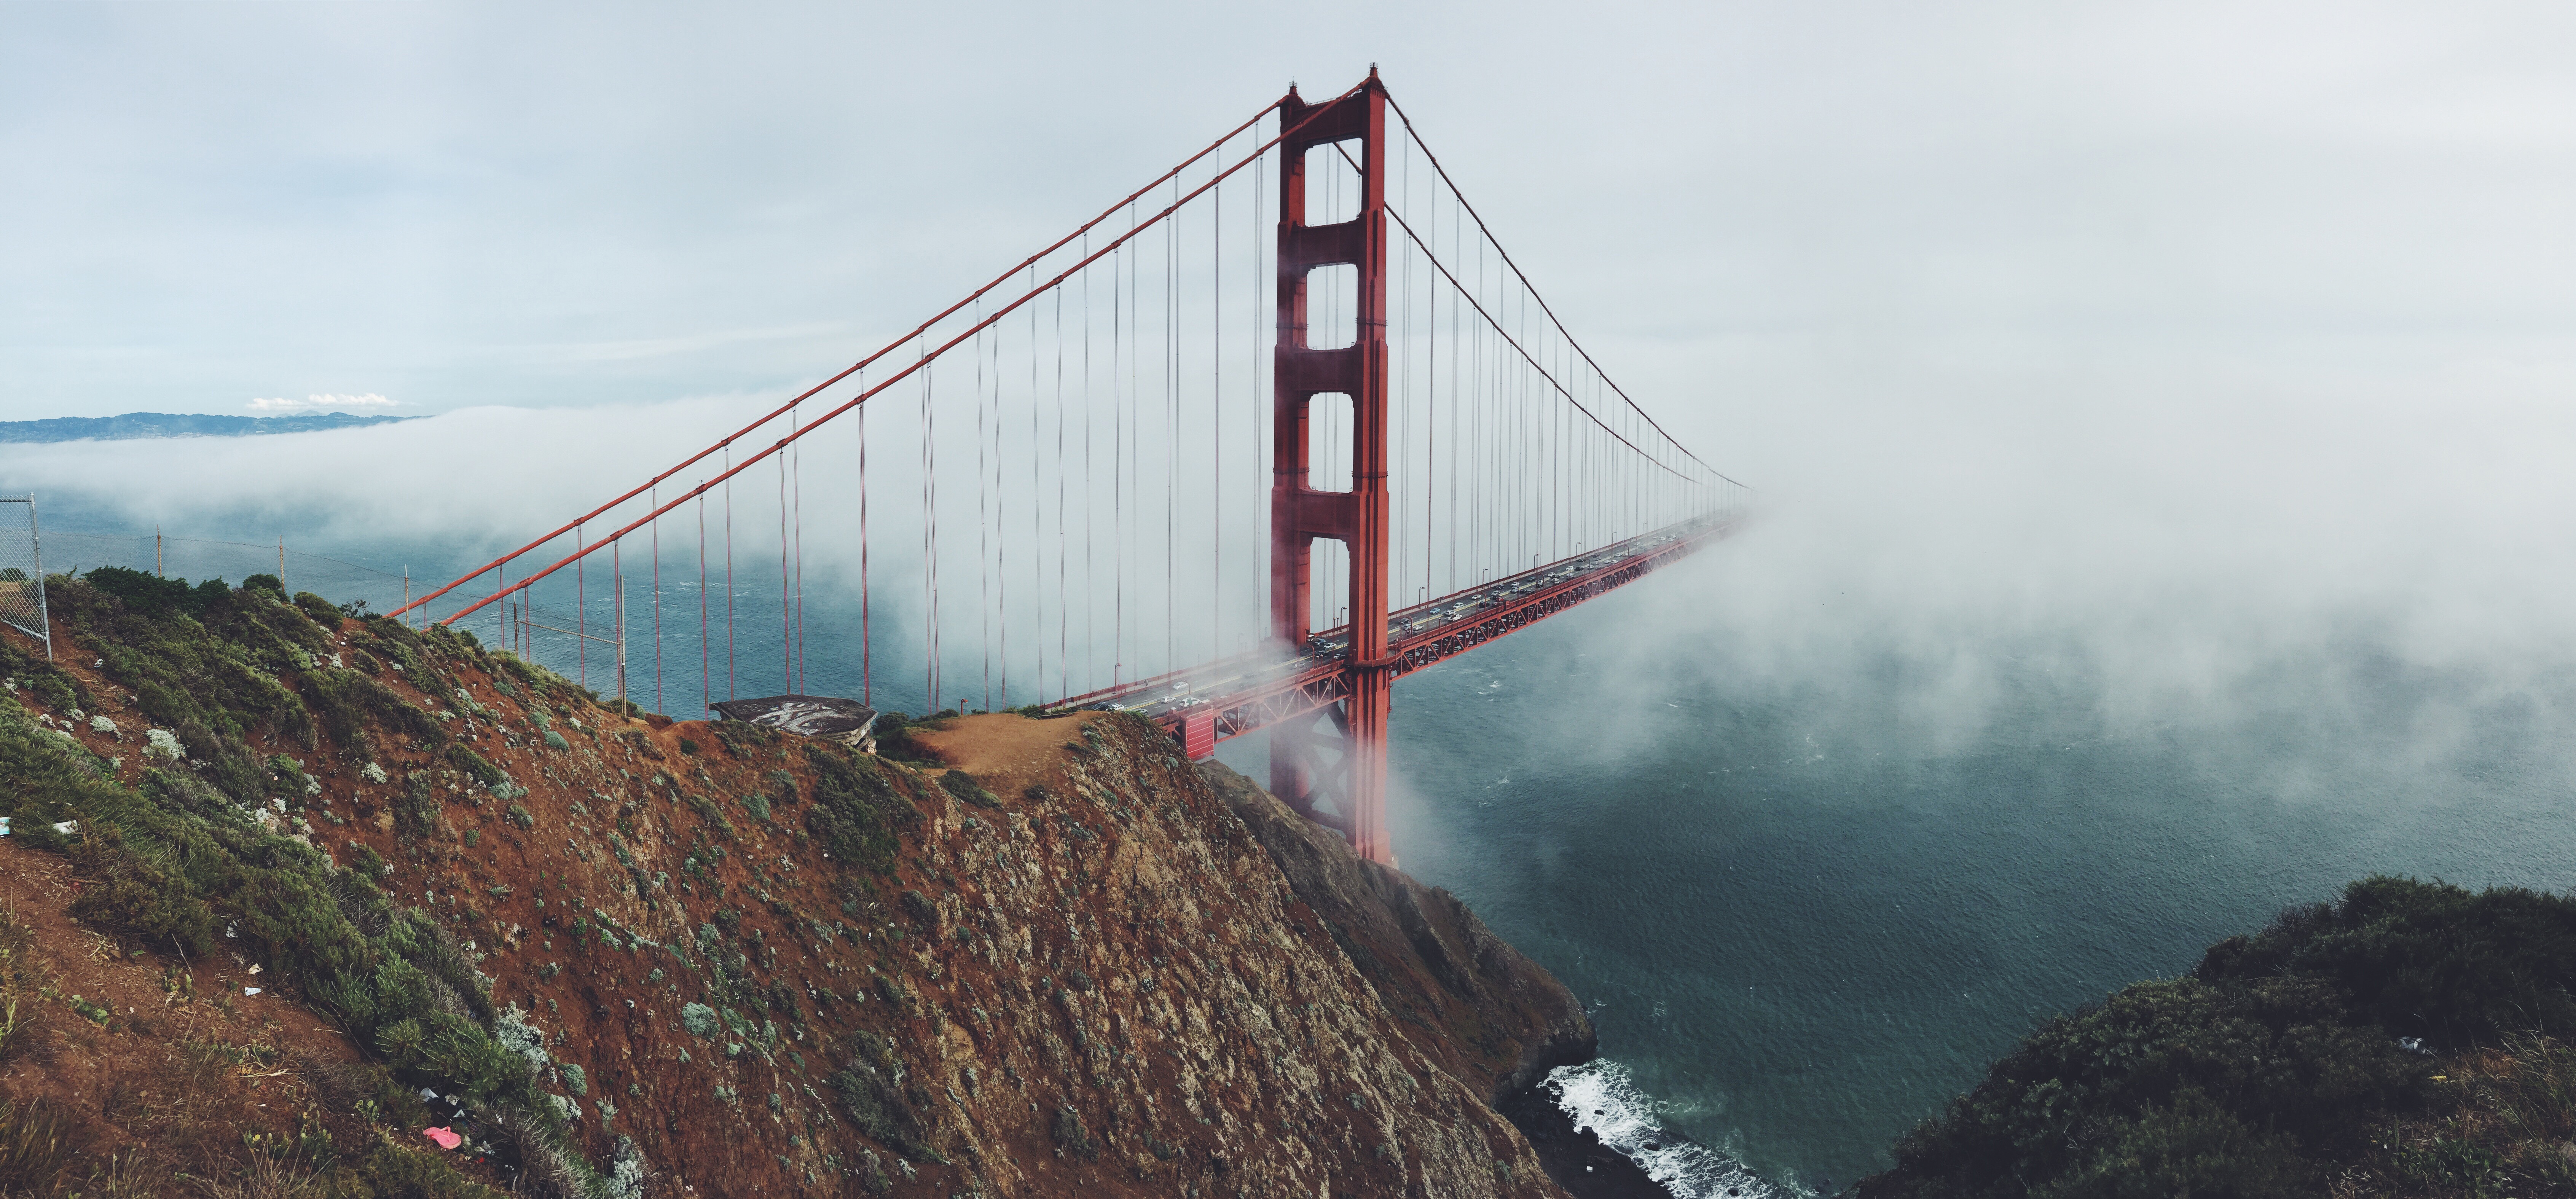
(1572, 1155)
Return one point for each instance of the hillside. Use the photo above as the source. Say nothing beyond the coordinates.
(131, 425)
(2405, 1040)
(621, 955)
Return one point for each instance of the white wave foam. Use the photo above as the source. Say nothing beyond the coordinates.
(1601, 1095)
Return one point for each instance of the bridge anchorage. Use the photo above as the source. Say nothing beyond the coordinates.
(1432, 430)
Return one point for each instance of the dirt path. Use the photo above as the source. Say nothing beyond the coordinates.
(1003, 750)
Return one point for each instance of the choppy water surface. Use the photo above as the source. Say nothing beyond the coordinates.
(1808, 911)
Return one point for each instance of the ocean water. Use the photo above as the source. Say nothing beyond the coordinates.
(1809, 886)
(1804, 916)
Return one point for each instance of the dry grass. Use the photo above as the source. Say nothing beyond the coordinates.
(134, 1173)
(22, 978)
(37, 1141)
(2503, 1126)
(266, 1176)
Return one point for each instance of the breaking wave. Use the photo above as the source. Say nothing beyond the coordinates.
(1602, 1096)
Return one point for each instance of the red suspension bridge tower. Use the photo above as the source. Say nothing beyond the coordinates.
(1299, 771)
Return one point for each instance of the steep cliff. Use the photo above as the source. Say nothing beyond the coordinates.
(621, 955)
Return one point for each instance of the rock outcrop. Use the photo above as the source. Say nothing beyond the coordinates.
(1023, 957)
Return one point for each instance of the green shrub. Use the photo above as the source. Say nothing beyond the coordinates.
(320, 609)
(2271, 1073)
(2423, 959)
(1071, 1137)
(963, 786)
(855, 811)
(741, 736)
(475, 764)
(875, 1104)
(2277, 1064)
(347, 702)
(176, 858)
(893, 734)
(136, 897)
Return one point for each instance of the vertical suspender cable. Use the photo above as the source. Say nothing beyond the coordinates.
(617, 613)
(730, 692)
(1430, 401)
(797, 468)
(983, 565)
(1252, 390)
(1117, 474)
(1399, 340)
(1037, 499)
(1037, 502)
(580, 611)
(1216, 413)
(1455, 428)
(1001, 535)
(1171, 410)
(1171, 414)
(656, 501)
(1476, 451)
(1063, 568)
(867, 639)
(706, 663)
(1090, 577)
(786, 590)
(930, 535)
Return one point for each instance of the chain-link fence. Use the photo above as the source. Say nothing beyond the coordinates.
(341, 582)
(22, 571)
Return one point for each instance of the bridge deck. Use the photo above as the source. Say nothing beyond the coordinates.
(1239, 694)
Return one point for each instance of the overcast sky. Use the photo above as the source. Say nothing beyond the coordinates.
(450, 204)
(2251, 295)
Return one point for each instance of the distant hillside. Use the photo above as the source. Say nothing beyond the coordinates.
(2410, 1039)
(177, 424)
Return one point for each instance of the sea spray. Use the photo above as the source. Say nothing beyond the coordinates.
(1602, 1097)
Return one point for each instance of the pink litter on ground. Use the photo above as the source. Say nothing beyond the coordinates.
(445, 1138)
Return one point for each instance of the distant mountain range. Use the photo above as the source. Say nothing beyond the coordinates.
(177, 424)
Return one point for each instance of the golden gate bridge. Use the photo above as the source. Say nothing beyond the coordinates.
(1311, 293)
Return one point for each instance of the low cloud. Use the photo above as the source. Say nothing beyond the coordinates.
(282, 406)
